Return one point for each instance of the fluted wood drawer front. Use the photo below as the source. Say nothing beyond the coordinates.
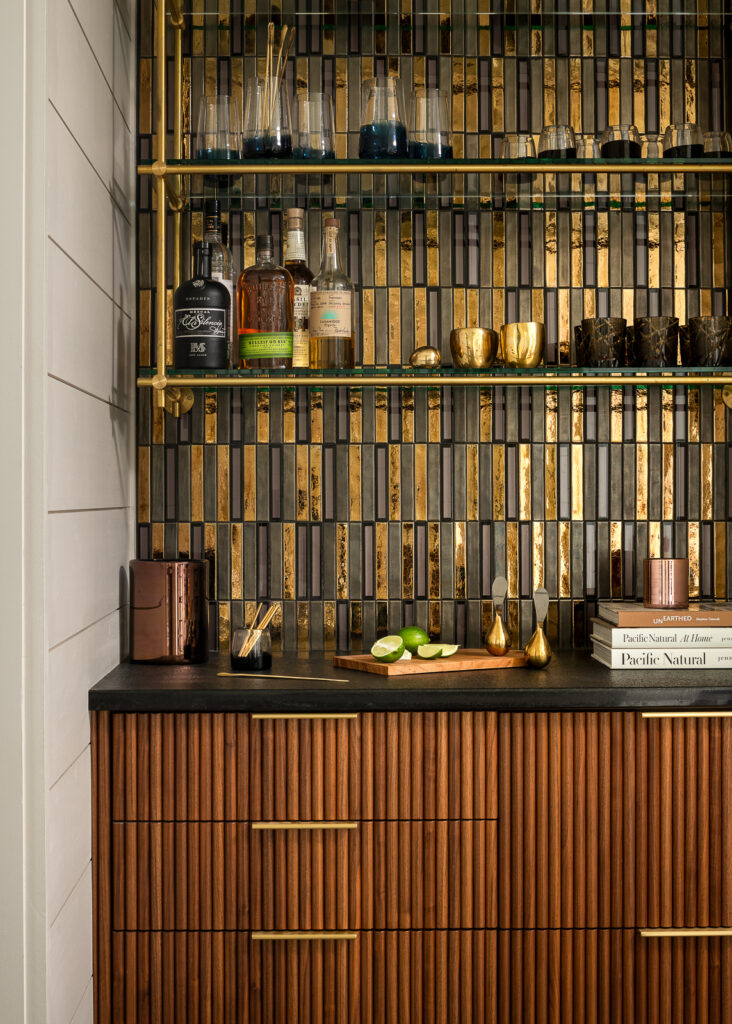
(237, 875)
(237, 767)
(604, 975)
(613, 819)
(429, 977)
(685, 844)
(428, 874)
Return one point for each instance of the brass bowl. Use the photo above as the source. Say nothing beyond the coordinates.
(522, 344)
(426, 357)
(473, 348)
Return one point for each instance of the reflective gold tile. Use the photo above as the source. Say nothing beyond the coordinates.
(223, 505)
(654, 540)
(499, 475)
(486, 415)
(184, 540)
(302, 482)
(616, 560)
(668, 482)
(380, 248)
(550, 481)
(394, 482)
(224, 610)
(641, 414)
(144, 300)
(578, 404)
(512, 558)
(367, 326)
(616, 415)
(316, 482)
(565, 565)
(434, 429)
(249, 505)
(524, 481)
(405, 248)
(288, 561)
(433, 255)
(196, 483)
(692, 398)
(407, 415)
(707, 482)
(236, 561)
(288, 415)
(210, 416)
(641, 481)
(143, 484)
(720, 561)
(694, 564)
(460, 556)
(537, 555)
(381, 544)
(303, 625)
(354, 482)
(472, 482)
(407, 561)
(157, 540)
(433, 560)
(577, 482)
(420, 482)
(435, 625)
(342, 561)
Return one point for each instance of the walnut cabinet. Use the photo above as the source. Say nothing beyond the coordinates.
(412, 867)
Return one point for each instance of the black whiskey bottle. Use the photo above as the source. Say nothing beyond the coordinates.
(201, 317)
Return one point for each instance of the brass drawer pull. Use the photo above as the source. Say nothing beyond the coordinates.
(301, 936)
(684, 933)
(686, 714)
(271, 826)
(316, 717)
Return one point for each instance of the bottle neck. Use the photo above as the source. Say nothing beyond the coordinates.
(212, 232)
(265, 257)
(295, 245)
(330, 257)
(202, 268)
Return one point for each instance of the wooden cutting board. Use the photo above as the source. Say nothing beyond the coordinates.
(464, 661)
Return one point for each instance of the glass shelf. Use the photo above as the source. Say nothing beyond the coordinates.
(407, 376)
(465, 165)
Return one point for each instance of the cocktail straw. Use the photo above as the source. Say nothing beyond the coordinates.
(255, 634)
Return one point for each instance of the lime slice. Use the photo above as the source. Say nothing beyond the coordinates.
(448, 650)
(389, 648)
(429, 651)
(406, 656)
(413, 637)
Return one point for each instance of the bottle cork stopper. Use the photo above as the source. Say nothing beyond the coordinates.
(295, 216)
(331, 222)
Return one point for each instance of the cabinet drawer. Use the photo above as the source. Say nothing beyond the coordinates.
(612, 975)
(240, 767)
(239, 875)
(426, 977)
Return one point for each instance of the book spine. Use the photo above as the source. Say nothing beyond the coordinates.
(660, 659)
(635, 639)
(647, 618)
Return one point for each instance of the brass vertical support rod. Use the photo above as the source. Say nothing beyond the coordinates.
(160, 32)
(177, 142)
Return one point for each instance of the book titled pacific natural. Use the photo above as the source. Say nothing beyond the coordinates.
(631, 637)
(618, 657)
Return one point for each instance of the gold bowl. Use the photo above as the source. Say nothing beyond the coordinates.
(522, 344)
(473, 348)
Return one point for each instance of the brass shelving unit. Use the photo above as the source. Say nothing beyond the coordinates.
(174, 389)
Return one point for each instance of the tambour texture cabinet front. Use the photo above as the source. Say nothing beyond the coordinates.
(410, 866)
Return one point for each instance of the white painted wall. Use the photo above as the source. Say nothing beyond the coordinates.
(89, 436)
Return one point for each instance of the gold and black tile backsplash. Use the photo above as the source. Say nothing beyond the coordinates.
(362, 509)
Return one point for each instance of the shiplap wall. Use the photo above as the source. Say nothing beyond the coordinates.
(89, 298)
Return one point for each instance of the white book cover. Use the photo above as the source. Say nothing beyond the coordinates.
(662, 636)
(656, 658)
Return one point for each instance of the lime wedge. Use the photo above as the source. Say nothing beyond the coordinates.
(406, 656)
(389, 648)
(429, 651)
(448, 650)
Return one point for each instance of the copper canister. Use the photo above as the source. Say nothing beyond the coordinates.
(666, 582)
(169, 611)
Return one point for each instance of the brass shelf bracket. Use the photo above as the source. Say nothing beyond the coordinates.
(174, 399)
(177, 19)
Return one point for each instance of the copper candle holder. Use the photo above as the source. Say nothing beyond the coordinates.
(666, 582)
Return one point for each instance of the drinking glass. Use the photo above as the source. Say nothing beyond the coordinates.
(652, 146)
(717, 144)
(516, 147)
(251, 650)
(429, 126)
(683, 140)
(557, 142)
(314, 135)
(218, 136)
(588, 147)
(383, 132)
(266, 128)
(620, 142)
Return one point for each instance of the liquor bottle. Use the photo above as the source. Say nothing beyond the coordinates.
(201, 310)
(222, 265)
(331, 307)
(265, 294)
(302, 276)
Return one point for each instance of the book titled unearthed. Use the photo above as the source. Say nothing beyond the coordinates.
(628, 613)
(661, 636)
(710, 657)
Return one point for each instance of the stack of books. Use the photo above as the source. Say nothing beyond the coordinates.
(628, 635)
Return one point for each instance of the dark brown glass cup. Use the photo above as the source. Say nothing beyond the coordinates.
(656, 340)
(707, 341)
(604, 339)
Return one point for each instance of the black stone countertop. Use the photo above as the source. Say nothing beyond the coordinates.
(572, 681)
